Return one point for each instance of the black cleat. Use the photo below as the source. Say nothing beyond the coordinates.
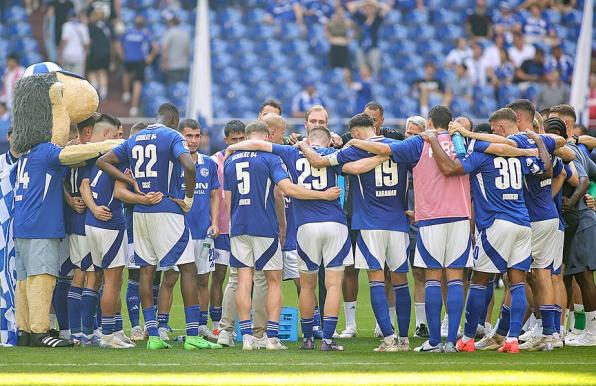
(23, 339)
(47, 340)
(308, 344)
(421, 331)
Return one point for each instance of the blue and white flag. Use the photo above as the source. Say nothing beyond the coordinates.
(8, 274)
(580, 89)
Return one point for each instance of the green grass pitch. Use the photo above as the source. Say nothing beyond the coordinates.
(358, 365)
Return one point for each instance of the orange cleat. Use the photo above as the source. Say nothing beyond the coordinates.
(468, 346)
(510, 347)
(216, 331)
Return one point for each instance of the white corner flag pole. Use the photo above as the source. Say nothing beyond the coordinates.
(199, 97)
(580, 91)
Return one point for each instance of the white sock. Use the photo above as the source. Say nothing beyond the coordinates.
(393, 316)
(526, 326)
(53, 321)
(420, 313)
(350, 313)
(216, 325)
(445, 319)
(591, 322)
(538, 323)
(578, 307)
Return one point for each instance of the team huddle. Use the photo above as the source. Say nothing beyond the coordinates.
(272, 211)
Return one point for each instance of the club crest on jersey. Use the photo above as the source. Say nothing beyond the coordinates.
(204, 172)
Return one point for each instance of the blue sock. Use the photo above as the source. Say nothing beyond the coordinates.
(192, 315)
(454, 306)
(215, 314)
(272, 329)
(548, 319)
(163, 320)
(329, 325)
(74, 309)
(203, 317)
(245, 327)
(403, 306)
(518, 309)
(88, 309)
(433, 302)
(307, 325)
(557, 319)
(118, 322)
(60, 302)
(107, 325)
(155, 293)
(317, 318)
(504, 321)
(149, 314)
(488, 296)
(378, 300)
(132, 302)
(474, 304)
(98, 310)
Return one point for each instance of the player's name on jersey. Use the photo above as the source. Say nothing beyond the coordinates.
(146, 184)
(244, 154)
(145, 137)
(546, 182)
(386, 193)
(244, 201)
(511, 196)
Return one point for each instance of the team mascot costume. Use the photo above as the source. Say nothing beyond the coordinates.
(47, 100)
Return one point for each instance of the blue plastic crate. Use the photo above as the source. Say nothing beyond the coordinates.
(288, 325)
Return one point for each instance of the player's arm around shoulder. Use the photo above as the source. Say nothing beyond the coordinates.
(363, 165)
(377, 148)
(290, 189)
(315, 159)
(448, 166)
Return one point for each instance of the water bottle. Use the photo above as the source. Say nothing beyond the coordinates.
(206, 246)
(458, 145)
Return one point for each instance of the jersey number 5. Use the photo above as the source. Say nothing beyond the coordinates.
(510, 173)
(243, 178)
(140, 153)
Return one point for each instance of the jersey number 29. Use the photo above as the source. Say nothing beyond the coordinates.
(140, 153)
(319, 176)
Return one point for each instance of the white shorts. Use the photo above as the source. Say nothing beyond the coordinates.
(375, 248)
(544, 241)
(326, 243)
(161, 239)
(80, 255)
(66, 266)
(502, 246)
(221, 251)
(558, 252)
(444, 245)
(203, 265)
(130, 258)
(290, 270)
(108, 247)
(260, 253)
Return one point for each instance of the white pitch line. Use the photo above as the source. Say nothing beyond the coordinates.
(293, 364)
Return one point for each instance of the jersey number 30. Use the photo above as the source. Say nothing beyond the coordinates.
(140, 153)
(510, 173)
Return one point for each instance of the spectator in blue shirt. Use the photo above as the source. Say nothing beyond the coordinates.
(535, 28)
(505, 21)
(137, 50)
(560, 62)
(306, 99)
(285, 11)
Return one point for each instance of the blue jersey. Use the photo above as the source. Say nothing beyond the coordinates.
(75, 222)
(497, 187)
(251, 178)
(152, 155)
(291, 242)
(39, 203)
(136, 45)
(199, 217)
(102, 190)
(311, 211)
(558, 167)
(537, 192)
(379, 196)
(128, 211)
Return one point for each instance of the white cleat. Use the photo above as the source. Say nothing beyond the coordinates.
(573, 335)
(225, 338)
(248, 342)
(445, 327)
(586, 339)
(335, 334)
(163, 333)
(137, 334)
(538, 343)
(261, 342)
(275, 344)
(378, 332)
(389, 344)
(206, 333)
(403, 344)
(110, 341)
(348, 333)
(490, 342)
(535, 331)
(124, 339)
(558, 341)
(427, 347)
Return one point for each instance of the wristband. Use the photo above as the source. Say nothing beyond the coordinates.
(188, 201)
